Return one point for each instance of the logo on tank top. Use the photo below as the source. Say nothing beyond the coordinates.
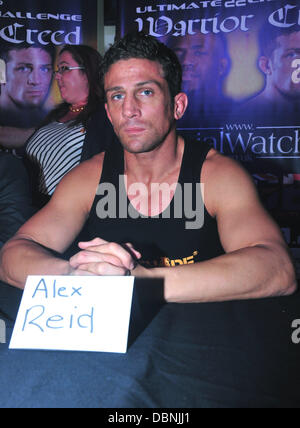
(168, 262)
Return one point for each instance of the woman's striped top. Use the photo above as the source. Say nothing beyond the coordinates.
(56, 149)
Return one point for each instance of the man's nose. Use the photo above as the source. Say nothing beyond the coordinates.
(34, 77)
(131, 106)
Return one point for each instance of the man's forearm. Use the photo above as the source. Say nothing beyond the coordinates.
(249, 273)
(21, 257)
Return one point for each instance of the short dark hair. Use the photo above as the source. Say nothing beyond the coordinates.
(268, 38)
(141, 46)
(5, 50)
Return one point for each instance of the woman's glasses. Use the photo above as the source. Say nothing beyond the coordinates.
(65, 69)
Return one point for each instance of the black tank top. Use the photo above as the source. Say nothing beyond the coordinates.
(169, 239)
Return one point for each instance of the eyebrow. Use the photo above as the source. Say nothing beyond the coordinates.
(30, 63)
(138, 85)
(62, 62)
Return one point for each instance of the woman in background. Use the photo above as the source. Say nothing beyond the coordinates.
(77, 129)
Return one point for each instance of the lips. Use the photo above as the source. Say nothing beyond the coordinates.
(134, 130)
(34, 93)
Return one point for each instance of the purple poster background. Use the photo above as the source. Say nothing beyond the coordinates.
(241, 71)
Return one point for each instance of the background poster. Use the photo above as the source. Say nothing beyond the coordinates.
(241, 71)
(31, 34)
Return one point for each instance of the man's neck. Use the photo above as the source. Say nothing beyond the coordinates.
(275, 96)
(157, 165)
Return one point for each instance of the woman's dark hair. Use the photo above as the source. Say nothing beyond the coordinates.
(141, 46)
(91, 60)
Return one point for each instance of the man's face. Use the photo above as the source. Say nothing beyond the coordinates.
(281, 64)
(200, 60)
(29, 75)
(138, 104)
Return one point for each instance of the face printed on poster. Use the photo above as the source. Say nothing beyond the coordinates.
(31, 36)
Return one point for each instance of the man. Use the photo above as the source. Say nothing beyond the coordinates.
(15, 209)
(239, 250)
(29, 71)
(205, 62)
(279, 101)
(15, 198)
(277, 105)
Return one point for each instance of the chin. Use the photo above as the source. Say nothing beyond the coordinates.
(36, 104)
(141, 148)
(133, 148)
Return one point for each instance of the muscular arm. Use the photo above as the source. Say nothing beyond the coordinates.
(256, 263)
(54, 227)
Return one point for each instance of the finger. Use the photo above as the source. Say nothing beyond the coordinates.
(104, 269)
(127, 258)
(94, 242)
(84, 257)
(131, 248)
(92, 246)
(79, 272)
(126, 255)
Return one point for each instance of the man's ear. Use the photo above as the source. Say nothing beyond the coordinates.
(180, 105)
(264, 64)
(107, 112)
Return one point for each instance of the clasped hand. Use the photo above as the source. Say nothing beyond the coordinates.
(99, 257)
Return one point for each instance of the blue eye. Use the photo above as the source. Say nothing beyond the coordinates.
(292, 55)
(117, 97)
(24, 69)
(46, 69)
(147, 92)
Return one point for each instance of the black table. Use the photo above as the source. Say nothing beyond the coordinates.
(217, 355)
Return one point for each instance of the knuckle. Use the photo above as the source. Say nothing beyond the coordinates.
(113, 246)
(127, 259)
(100, 269)
(82, 256)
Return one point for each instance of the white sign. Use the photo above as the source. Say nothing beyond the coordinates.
(83, 313)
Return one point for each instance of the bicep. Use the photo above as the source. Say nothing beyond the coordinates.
(57, 224)
(241, 218)
(247, 226)
(55, 231)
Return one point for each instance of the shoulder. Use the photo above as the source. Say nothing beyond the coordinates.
(8, 159)
(86, 172)
(226, 182)
(99, 133)
(80, 184)
(11, 166)
(218, 165)
(98, 118)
